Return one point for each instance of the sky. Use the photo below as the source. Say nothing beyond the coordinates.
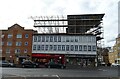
(20, 11)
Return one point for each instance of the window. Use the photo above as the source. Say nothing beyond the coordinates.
(7, 50)
(59, 38)
(26, 35)
(25, 51)
(2, 43)
(51, 47)
(17, 50)
(55, 47)
(67, 47)
(2, 36)
(47, 38)
(80, 47)
(26, 43)
(94, 48)
(63, 47)
(35, 38)
(85, 48)
(51, 39)
(43, 38)
(10, 35)
(9, 43)
(19, 36)
(55, 38)
(67, 39)
(46, 47)
(59, 47)
(39, 38)
(72, 48)
(34, 47)
(42, 47)
(89, 48)
(18, 43)
(38, 47)
(76, 47)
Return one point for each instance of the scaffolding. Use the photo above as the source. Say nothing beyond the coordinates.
(71, 24)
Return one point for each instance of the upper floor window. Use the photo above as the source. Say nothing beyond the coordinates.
(51, 38)
(25, 51)
(76, 47)
(7, 50)
(59, 38)
(26, 43)
(43, 38)
(17, 50)
(26, 35)
(94, 48)
(85, 47)
(55, 38)
(39, 38)
(10, 35)
(89, 48)
(67, 48)
(80, 47)
(9, 43)
(35, 38)
(34, 47)
(47, 38)
(18, 43)
(2, 36)
(19, 36)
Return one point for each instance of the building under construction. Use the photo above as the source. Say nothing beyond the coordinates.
(72, 39)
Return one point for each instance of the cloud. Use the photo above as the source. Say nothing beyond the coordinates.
(19, 11)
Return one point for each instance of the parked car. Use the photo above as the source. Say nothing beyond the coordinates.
(55, 65)
(29, 64)
(6, 64)
(115, 64)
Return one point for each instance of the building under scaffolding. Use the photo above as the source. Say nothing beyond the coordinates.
(75, 37)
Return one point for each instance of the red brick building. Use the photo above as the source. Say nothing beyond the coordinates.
(16, 43)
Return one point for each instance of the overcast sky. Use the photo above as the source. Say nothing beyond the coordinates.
(20, 11)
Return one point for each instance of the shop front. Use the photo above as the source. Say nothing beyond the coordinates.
(41, 59)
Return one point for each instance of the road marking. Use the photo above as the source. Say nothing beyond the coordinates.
(56, 76)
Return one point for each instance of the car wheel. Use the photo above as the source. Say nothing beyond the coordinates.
(23, 66)
(62, 67)
(34, 66)
(48, 66)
